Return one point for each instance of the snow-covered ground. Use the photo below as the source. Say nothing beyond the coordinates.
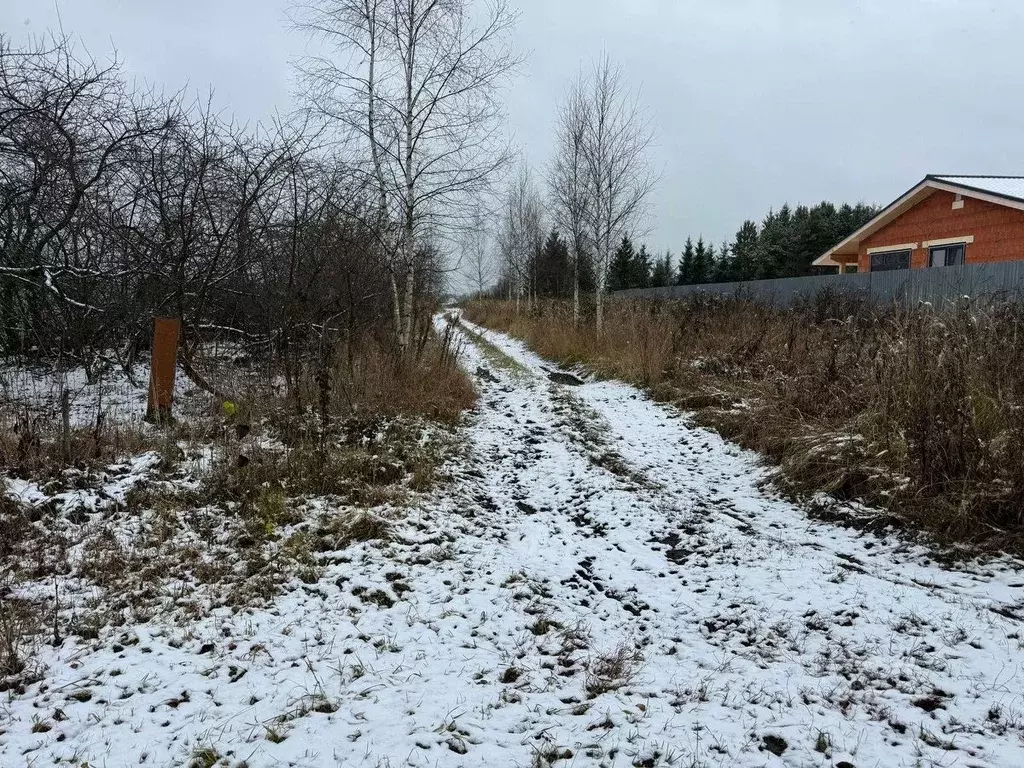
(111, 394)
(602, 584)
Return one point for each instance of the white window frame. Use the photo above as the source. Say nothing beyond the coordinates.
(887, 248)
(965, 239)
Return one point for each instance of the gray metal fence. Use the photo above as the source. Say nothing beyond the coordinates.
(937, 286)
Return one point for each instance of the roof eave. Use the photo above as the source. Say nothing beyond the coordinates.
(826, 261)
(997, 198)
(851, 245)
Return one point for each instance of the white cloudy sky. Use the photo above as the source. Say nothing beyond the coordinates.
(755, 102)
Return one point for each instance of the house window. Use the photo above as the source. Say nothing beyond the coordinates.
(947, 255)
(890, 260)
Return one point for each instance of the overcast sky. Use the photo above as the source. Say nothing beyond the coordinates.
(755, 102)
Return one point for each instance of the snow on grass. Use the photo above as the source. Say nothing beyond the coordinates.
(112, 393)
(551, 607)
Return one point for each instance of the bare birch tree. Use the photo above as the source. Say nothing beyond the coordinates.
(478, 266)
(618, 177)
(521, 236)
(568, 189)
(414, 84)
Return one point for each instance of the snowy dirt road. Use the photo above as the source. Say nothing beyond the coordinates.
(603, 585)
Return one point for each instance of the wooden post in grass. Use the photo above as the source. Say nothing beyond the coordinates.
(164, 360)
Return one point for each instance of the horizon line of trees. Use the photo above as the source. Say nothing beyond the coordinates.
(784, 245)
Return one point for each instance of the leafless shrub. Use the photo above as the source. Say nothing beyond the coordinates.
(15, 527)
(39, 446)
(371, 376)
(117, 204)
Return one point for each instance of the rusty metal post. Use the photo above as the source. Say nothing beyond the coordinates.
(166, 331)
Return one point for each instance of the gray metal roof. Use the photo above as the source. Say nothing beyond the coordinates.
(1004, 186)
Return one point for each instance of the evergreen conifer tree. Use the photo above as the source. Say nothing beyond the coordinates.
(701, 263)
(554, 271)
(663, 274)
(744, 252)
(640, 276)
(686, 264)
(723, 265)
(773, 243)
(620, 271)
(588, 280)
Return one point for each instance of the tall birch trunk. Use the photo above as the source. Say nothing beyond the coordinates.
(405, 341)
(576, 290)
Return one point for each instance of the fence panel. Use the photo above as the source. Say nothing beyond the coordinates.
(936, 286)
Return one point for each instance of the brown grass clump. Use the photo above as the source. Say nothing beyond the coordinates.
(372, 376)
(347, 528)
(32, 445)
(366, 461)
(916, 410)
(15, 526)
(19, 625)
(612, 670)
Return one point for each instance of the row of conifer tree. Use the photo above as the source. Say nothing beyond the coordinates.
(783, 245)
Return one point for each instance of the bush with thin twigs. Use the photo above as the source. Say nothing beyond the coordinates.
(360, 376)
(918, 410)
(15, 525)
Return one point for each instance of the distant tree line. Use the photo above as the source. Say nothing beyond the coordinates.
(784, 245)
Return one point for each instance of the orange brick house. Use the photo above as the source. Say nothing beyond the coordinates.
(943, 221)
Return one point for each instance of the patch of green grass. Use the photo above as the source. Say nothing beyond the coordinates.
(493, 355)
(275, 736)
(204, 757)
(821, 744)
(379, 598)
(543, 625)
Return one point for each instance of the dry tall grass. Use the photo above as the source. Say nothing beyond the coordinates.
(376, 378)
(918, 411)
(364, 374)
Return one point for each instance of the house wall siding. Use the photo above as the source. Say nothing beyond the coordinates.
(998, 231)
